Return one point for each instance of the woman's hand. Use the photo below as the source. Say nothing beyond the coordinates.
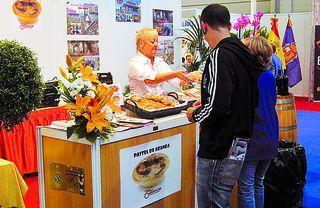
(165, 76)
(180, 74)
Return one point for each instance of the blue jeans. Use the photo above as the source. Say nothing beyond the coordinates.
(250, 184)
(216, 178)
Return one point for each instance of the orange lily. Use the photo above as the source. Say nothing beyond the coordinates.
(80, 67)
(94, 103)
(105, 94)
(87, 74)
(79, 61)
(64, 73)
(104, 91)
(114, 107)
(80, 106)
(69, 62)
(96, 120)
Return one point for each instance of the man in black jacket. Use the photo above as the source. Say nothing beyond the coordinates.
(228, 97)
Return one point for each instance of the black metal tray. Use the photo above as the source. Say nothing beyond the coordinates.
(142, 113)
(175, 96)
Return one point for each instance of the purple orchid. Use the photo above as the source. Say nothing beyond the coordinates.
(236, 26)
(258, 15)
(256, 22)
(245, 20)
(254, 25)
(242, 22)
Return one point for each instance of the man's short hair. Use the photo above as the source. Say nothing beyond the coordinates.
(188, 55)
(216, 15)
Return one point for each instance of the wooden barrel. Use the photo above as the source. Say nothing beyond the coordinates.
(287, 116)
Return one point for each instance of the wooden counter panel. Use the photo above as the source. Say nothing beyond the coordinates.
(110, 169)
(71, 154)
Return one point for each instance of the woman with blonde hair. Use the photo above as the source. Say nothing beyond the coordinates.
(264, 141)
(147, 73)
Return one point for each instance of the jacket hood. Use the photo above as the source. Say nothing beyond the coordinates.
(253, 66)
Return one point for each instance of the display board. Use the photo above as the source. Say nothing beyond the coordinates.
(116, 40)
(315, 53)
(150, 171)
(316, 89)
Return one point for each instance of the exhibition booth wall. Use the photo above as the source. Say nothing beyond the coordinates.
(303, 38)
(302, 29)
(116, 40)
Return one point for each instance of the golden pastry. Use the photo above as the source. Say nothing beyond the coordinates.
(150, 171)
(153, 102)
(27, 10)
(192, 93)
(196, 75)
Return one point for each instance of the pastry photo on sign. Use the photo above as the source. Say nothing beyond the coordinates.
(151, 170)
(27, 11)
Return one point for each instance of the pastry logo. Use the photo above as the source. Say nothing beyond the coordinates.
(151, 170)
(27, 12)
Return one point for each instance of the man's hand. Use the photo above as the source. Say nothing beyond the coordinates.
(190, 113)
(197, 103)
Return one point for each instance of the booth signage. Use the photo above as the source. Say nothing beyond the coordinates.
(316, 96)
(150, 172)
(67, 178)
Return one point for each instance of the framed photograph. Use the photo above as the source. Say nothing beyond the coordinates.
(82, 18)
(88, 49)
(128, 10)
(166, 51)
(163, 22)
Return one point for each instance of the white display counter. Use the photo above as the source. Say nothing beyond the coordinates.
(77, 173)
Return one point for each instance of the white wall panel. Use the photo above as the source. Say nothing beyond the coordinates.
(116, 39)
(302, 28)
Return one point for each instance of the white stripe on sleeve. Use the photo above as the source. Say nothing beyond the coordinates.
(207, 108)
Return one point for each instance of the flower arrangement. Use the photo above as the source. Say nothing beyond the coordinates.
(250, 27)
(90, 103)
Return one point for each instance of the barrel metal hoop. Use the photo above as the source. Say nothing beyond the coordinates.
(285, 107)
(284, 101)
(287, 128)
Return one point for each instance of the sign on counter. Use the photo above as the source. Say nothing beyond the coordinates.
(150, 172)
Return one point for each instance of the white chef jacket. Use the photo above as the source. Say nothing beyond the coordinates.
(140, 69)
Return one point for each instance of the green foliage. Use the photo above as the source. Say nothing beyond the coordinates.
(263, 31)
(80, 130)
(246, 34)
(21, 86)
(126, 90)
(197, 46)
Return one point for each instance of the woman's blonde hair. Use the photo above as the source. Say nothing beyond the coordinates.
(142, 35)
(260, 47)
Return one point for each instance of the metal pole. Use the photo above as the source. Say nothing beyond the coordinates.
(253, 7)
(290, 6)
